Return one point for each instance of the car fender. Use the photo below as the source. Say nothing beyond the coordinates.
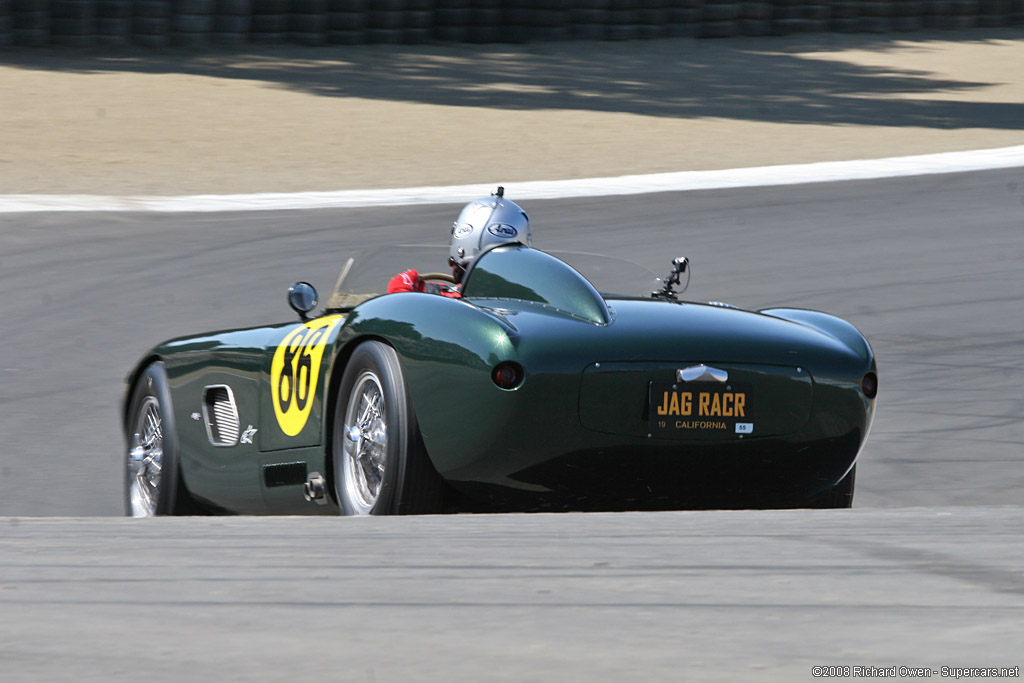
(833, 326)
(447, 348)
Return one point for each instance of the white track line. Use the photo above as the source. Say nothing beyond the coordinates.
(830, 171)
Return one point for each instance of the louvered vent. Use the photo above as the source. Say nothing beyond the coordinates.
(221, 415)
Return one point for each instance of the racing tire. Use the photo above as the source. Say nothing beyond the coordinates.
(839, 496)
(153, 484)
(380, 466)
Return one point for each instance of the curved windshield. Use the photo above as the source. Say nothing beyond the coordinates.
(366, 274)
(524, 274)
(613, 277)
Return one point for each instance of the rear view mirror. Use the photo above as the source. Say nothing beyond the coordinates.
(302, 298)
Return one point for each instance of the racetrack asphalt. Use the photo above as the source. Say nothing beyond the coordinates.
(895, 257)
(843, 96)
(714, 597)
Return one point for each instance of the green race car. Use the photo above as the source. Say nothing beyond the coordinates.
(533, 390)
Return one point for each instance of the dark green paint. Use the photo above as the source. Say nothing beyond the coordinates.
(557, 440)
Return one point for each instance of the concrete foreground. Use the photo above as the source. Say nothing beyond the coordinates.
(710, 596)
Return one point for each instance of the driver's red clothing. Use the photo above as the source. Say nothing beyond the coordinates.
(410, 281)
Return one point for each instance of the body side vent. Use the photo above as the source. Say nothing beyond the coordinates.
(220, 415)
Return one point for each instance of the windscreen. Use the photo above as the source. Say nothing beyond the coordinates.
(524, 274)
(366, 274)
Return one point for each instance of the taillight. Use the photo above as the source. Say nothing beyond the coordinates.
(869, 385)
(508, 375)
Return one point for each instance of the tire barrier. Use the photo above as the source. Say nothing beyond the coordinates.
(114, 22)
(192, 22)
(200, 23)
(308, 23)
(151, 23)
(270, 21)
(232, 20)
(6, 24)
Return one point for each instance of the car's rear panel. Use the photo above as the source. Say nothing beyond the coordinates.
(668, 405)
(728, 402)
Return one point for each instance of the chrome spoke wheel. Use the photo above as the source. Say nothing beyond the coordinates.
(145, 459)
(378, 461)
(366, 442)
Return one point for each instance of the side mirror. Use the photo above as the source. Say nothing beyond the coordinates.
(302, 298)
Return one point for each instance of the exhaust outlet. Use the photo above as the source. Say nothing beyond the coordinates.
(315, 489)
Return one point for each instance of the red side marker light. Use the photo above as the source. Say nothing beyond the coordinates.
(869, 385)
(508, 375)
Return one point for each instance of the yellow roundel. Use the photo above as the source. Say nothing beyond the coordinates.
(295, 371)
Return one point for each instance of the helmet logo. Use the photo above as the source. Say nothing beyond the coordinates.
(503, 230)
(462, 230)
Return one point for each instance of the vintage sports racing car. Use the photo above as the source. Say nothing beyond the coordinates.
(536, 390)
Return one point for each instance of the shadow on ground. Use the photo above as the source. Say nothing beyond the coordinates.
(757, 79)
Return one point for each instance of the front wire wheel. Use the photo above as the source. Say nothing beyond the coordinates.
(145, 460)
(151, 462)
(379, 461)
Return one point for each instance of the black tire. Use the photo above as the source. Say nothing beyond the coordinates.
(6, 31)
(153, 8)
(413, 36)
(112, 40)
(308, 39)
(270, 23)
(309, 7)
(271, 7)
(155, 40)
(346, 21)
(346, 37)
(193, 7)
(192, 24)
(419, 19)
(234, 8)
(722, 11)
(387, 21)
(755, 27)
(151, 476)
(370, 478)
(585, 16)
(62, 27)
(229, 38)
(114, 9)
(31, 5)
(839, 496)
(309, 24)
(231, 24)
(32, 21)
(151, 26)
(588, 31)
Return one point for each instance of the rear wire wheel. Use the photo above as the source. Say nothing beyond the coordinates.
(380, 464)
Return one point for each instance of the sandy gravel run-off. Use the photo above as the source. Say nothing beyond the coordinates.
(297, 119)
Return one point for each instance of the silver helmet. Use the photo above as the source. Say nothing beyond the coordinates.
(483, 223)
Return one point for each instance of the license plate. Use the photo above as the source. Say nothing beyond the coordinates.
(700, 409)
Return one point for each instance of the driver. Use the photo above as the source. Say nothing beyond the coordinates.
(482, 223)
